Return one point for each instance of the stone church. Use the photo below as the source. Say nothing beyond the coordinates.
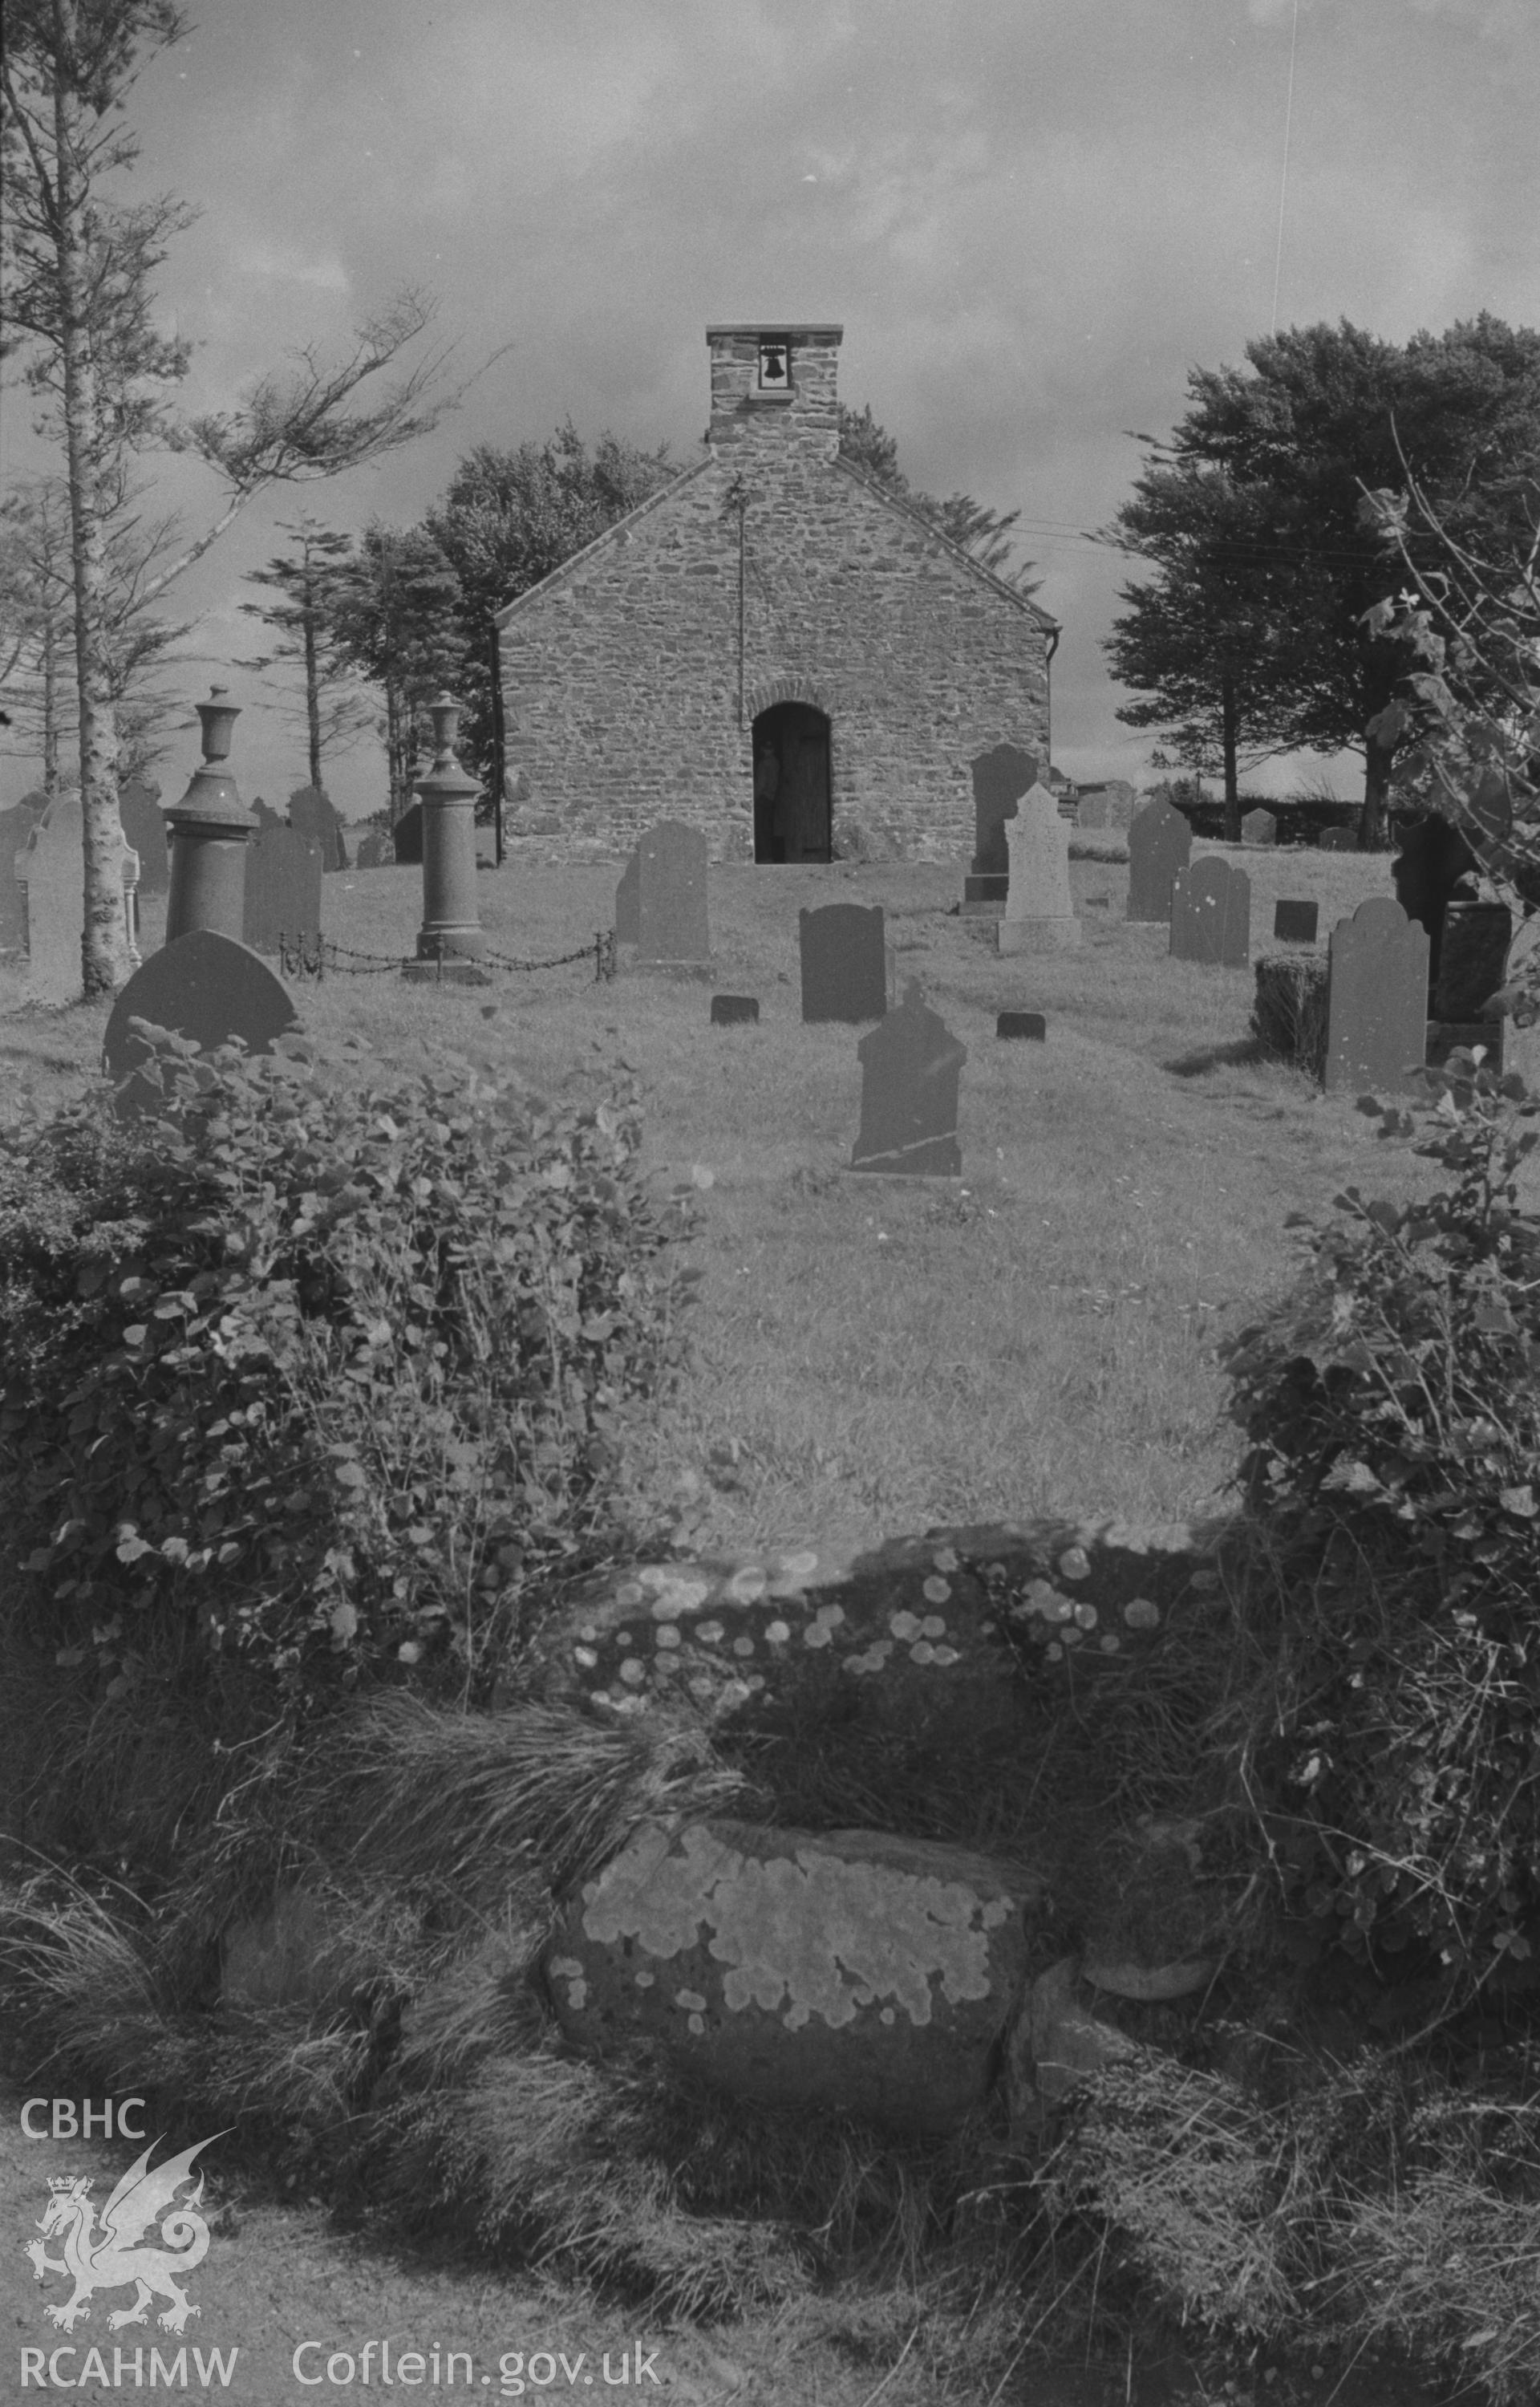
(773, 647)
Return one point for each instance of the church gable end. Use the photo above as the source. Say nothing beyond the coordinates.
(769, 648)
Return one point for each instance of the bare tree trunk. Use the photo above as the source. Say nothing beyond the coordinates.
(50, 704)
(105, 964)
(312, 686)
(1230, 720)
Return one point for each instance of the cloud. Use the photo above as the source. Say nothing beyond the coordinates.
(285, 265)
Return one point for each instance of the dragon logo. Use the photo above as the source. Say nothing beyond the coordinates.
(112, 2258)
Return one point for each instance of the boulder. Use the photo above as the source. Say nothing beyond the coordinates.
(1056, 2043)
(1150, 1921)
(290, 1956)
(848, 1970)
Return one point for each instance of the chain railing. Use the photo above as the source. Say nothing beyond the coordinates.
(301, 956)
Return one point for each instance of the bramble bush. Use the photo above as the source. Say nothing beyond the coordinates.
(1392, 1402)
(325, 1366)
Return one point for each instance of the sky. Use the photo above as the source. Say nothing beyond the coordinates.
(1034, 219)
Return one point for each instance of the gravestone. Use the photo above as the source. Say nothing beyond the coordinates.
(283, 888)
(51, 867)
(1109, 802)
(1473, 964)
(672, 923)
(406, 836)
(1160, 841)
(910, 1069)
(1338, 839)
(734, 1010)
(314, 815)
(204, 986)
(16, 826)
(628, 901)
(1092, 812)
(1296, 923)
(1212, 914)
(843, 961)
(1000, 778)
(143, 825)
(1022, 1024)
(265, 818)
(1434, 856)
(1377, 999)
(374, 851)
(1259, 827)
(1039, 915)
(1473, 961)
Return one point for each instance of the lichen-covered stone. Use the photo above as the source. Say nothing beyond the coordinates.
(847, 1971)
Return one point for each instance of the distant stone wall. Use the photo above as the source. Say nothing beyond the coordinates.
(621, 672)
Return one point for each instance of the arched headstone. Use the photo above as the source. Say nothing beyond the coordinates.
(204, 986)
(1377, 999)
(1211, 913)
(51, 867)
(283, 888)
(910, 1069)
(314, 815)
(1160, 841)
(672, 923)
(627, 902)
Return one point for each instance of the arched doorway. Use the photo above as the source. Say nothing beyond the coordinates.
(791, 784)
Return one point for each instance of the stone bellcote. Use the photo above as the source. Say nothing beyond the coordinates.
(775, 385)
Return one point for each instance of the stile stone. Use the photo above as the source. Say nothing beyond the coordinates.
(406, 836)
(1022, 1024)
(627, 902)
(1212, 914)
(910, 1070)
(734, 1010)
(673, 919)
(204, 986)
(844, 1972)
(1377, 999)
(283, 888)
(1000, 778)
(843, 962)
(1259, 827)
(1039, 912)
(16, 826)
(1296, 923)
(314, 815)
(143, 825)
(1160, 841)
(51, 868)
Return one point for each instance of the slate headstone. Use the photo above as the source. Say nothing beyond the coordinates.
(734, 1010)
(314, 815)
(1377, 999)
(910, 1069)
(374, 852)
(16, 826)
(1296, 923)
(1092, 812)
(673, 921)
(1338, 839)
(1211, 913)
(1473, 961)
(406, 836)
(1259, 827)
(283, 888)
(1160, 841)
(844, 962)
(51, 867)
(1434, 856)
(627, 902)
(1000, 778)
(1022, 1024)
(145, 826)
(1039, 915)
(204, 986)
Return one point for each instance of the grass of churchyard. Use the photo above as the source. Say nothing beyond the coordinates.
(873, 1356)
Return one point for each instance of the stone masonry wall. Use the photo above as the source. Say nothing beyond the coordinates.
(621, 671)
